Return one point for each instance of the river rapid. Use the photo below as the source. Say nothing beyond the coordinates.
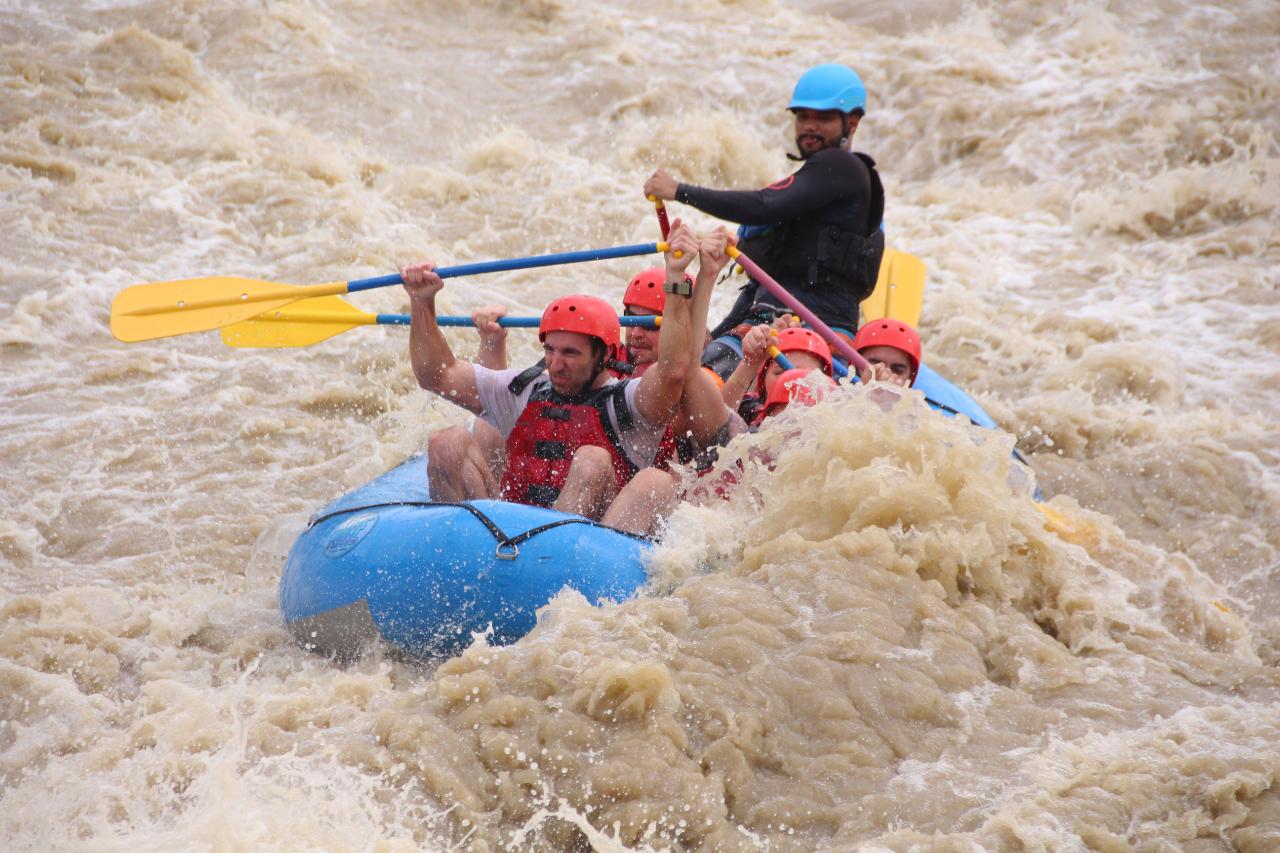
(881, 645)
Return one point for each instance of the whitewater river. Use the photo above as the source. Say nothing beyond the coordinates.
(882, 648)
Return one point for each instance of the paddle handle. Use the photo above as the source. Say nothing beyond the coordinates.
(766, 281)
(506, 322)
(661, 209)
(781, 358)
(517, 264)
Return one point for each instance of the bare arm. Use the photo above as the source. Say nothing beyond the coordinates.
(493, 338)
(705, 410)
(434, 364)
(712, 258)
(755, 350)
(662, 385)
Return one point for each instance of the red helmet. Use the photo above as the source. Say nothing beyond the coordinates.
(586, 315)
(788, 389)
(890, 333)
(797, 339)
(645, 290)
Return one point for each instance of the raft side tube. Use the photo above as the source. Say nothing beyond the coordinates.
(949, 399)
(423, 577)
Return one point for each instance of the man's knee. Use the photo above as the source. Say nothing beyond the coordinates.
(592, 461)
(447, 452)
(644, 501)
(653, 485)
(448, 444)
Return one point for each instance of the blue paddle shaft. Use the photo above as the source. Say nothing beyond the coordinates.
(514, 264)
(506, 322)
(786, 364)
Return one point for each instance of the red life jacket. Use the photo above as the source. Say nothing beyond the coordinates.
(550, 430)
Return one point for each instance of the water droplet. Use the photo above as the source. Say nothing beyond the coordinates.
(182, 303)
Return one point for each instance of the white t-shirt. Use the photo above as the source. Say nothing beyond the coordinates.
(502, 409)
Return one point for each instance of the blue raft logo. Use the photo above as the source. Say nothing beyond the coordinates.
(348, 534)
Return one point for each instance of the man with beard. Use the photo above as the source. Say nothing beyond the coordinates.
(816, 232)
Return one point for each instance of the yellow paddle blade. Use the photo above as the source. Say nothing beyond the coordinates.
(899, 292)
(301, 324)
(1074, 530)
(165, 308)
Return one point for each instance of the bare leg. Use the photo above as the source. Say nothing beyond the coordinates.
(491, 445)
(457, 468)
(590, 485)
(642, 503)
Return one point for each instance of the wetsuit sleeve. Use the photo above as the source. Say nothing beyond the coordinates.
(824, 177)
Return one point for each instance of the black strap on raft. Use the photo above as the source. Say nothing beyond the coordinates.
(508, 546)
(942, 407)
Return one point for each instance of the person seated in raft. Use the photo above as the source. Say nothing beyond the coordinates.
(788, 388)
(703, 422)
(892, 350)
(577, 438)
(758, 370)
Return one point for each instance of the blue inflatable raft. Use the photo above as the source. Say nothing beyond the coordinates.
(384, 562)
(948, 399)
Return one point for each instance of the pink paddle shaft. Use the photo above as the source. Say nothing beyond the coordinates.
(766, 281)
(663, 224)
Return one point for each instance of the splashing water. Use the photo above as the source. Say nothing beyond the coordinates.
(880, 643)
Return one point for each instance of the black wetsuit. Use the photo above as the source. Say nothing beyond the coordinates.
(823, 243)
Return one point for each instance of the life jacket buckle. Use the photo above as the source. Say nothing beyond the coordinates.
(507, 551)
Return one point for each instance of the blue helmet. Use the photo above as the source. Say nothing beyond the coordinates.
(829, 87)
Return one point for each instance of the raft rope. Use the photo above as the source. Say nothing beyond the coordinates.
(508, 546)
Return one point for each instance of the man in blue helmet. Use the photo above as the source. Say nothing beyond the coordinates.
(816, 232)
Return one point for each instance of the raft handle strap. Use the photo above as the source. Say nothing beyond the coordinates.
(508, 546)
